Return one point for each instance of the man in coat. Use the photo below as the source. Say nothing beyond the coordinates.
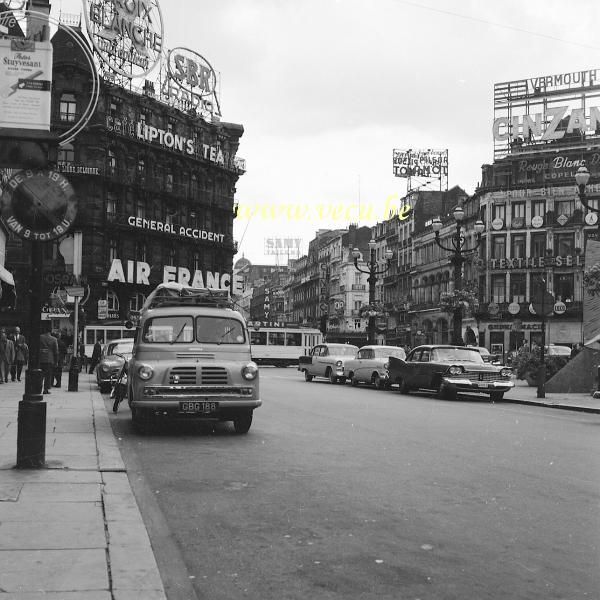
(18, 340)
(7, 356)
(96, 354)
(48, 355)
(62, 352)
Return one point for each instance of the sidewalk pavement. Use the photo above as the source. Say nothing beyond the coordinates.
(72, 530)
(524, 394)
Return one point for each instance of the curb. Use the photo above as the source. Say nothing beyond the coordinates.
(576, 408)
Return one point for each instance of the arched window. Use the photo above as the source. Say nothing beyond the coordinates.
(113, 301)
(137, 301)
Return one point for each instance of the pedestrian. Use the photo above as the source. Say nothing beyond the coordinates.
(18, 340)
(21, 355)
(82, 356)
(7, 356)
(62, 351)
(96, 354)
(12, 365)
(48, 355)
(575, 351)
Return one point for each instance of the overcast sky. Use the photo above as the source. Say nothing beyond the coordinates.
(325, 89)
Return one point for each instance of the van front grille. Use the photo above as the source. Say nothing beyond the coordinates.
(214, 376)
(183, 376)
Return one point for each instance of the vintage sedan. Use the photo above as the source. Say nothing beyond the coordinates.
(371, 365)
(327, 360)
(449, 370)
(111, 361)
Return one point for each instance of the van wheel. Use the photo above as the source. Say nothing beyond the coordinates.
(378, 382)
(242, 423)
(307, 376)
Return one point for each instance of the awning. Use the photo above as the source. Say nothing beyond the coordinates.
(6, 276)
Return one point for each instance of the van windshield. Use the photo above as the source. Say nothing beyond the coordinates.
(181, 330)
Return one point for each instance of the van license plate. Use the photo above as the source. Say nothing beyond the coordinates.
(205, 408)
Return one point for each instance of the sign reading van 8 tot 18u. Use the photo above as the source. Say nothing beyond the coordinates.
(26, 81)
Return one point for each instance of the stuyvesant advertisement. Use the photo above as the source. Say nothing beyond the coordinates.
(26, 81)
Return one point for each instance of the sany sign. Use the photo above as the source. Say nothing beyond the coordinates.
(138, 272)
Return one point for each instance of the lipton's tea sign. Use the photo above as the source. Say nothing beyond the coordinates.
(127, 34)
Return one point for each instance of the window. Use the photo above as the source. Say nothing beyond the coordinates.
(113, 250)
(66, 154)
(141, 167)
(220, 330)
(538, 245)
(564, 207)
(517, 287)
(593, 203)
(499, 288)
(140, 207)
(499, 212)
(483, 213)
(564, 244)
(172, 330)
(137, 301)
(113, 108)
(293, 339)
(112, 300)
(258, 338)
(564, 286)
(111, 203)
(518, 249)
(425, 356)
(196, 261)
(140, 251)
(111, 161)
(172, 257)
(169, 181)
(499, 246)
(538, 208)
(518, 210)
(68, 108)
(537, 285)
(356, 323)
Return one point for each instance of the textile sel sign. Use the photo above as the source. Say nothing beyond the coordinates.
(539, 262)
(138, 272)
(26, 80)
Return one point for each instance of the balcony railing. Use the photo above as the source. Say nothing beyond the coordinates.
(358, 287)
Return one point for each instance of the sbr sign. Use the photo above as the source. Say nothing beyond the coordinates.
(192, 72)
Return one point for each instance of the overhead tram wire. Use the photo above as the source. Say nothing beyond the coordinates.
(495, 24)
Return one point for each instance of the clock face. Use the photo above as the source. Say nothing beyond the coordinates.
(38, 205)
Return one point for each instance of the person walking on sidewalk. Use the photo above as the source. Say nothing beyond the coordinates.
(18, 339)
(7, 356)
(21, 356)
(96, 354)
(48, 355)
(62, 351)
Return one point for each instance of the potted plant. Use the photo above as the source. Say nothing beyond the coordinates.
(527, 363)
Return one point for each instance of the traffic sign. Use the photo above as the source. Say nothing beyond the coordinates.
(543, 304)
(75, 292)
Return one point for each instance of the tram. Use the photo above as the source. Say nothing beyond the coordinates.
(281, 344)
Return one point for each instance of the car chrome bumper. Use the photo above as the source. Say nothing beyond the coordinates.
(466, 385)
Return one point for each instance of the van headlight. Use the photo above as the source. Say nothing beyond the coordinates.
(145, 372)
(505, 372)
(250, 371)
(455, 370)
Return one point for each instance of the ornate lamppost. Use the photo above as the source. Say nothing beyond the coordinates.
(458, 253)
(581, 179)
(372, 272)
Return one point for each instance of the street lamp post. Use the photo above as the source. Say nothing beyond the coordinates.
(372, 272)
(457, 258)
(581, 179)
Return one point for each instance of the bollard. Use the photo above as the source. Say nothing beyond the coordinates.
(31, 427)
(74, 375)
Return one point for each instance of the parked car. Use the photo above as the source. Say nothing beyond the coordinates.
(111, 362)
(449, 370)
(327, 360)
(485, 354)
(371, 365)
(556, 350)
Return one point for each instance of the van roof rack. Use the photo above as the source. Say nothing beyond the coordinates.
(176, 294)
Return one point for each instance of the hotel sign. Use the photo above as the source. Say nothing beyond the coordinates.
(127, 34)
(539, 262)
(420, 163)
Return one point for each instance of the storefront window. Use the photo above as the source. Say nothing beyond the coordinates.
(517, 287)
(564, 207)
(564, 244)
(518, 246)
(538, 244)
(499, 246)
(499, 288)
(564, 286)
